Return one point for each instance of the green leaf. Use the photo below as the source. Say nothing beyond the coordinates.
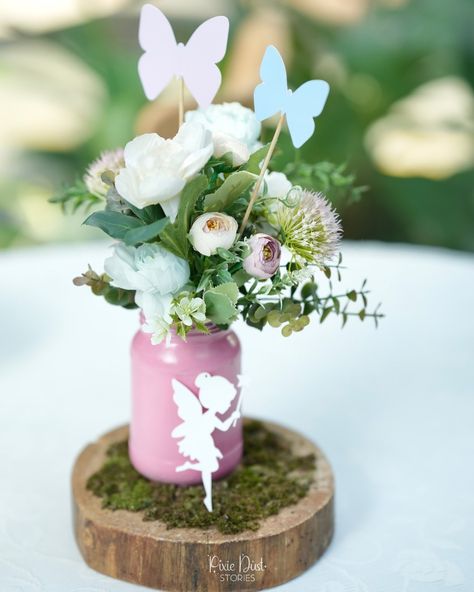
(219, 308)
(232, 188)
(308, 290)
(74, 197)
(146, 233)
(325, 314)
(253, 163)
(220, 303)
(114, 224)
(227, 255)
(260, 313)
(174, 237)
(229, 289)
(240, 277)
(149, 214)
(352, 295)
(119, 297)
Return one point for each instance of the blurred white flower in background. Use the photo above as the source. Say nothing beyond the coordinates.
(428, 134)
(44, 107)
(36, 16)
(335, 12)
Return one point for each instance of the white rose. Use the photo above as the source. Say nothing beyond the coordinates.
(211, 231)
(155, 274)
(277, 184)
(156, 170)
(235, 129)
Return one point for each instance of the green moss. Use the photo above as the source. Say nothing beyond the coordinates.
(269, 478)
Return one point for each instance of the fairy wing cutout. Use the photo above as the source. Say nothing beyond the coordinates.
(189, 408)
(300, 107)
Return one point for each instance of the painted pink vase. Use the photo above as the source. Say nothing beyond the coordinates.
(153, 451)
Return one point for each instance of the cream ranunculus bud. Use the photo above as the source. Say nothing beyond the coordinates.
(211, 231)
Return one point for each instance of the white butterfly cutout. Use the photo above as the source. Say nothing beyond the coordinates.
(300, 107)
(195, 62)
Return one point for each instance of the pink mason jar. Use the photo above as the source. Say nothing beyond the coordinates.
(154, 452)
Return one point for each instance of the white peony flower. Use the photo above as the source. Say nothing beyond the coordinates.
(155, 274)
(156, 170)
(235, 129)
(211, 231)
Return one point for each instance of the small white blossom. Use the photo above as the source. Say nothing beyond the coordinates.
(189, 310)
(159, 328)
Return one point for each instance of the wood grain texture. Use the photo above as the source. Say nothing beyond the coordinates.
(119, 544)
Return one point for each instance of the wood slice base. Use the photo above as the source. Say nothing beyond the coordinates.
(120, 544)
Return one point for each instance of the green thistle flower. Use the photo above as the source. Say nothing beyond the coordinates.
(310, 228)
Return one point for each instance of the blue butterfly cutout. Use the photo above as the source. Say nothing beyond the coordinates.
(300, 107)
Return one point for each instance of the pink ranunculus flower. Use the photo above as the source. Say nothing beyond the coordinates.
(264, 259)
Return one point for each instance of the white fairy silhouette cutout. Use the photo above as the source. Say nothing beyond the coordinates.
(216, 394)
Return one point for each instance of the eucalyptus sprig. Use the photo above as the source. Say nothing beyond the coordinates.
(100, 286)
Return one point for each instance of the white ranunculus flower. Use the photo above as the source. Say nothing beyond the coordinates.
(155, 274)
(235, 129)
(156, 170)
(211, 231)
(277, 184)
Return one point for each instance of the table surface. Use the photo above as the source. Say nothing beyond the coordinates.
(392, 408)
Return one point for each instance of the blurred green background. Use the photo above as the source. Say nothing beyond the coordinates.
(401, 110)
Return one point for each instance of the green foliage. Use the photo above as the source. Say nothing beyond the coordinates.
(270, 478)
(326, 177)
(233, 187)
(145, 233)
(100, 286)
(175, 236)
(221, 303)
(76, 197)
(253, 163)
(114, 224)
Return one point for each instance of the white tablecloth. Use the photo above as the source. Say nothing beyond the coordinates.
(392, 408)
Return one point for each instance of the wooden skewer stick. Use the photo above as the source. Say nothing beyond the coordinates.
(259, 181)
(181, 101)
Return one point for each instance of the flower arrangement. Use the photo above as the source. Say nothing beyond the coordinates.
(202, 237)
